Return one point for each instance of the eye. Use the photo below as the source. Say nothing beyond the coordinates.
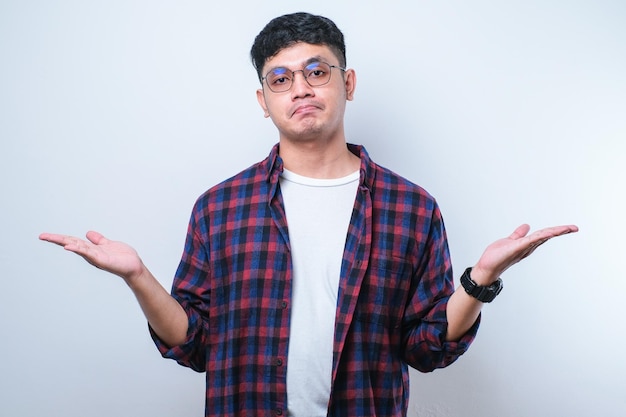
(279, 81)
(278, 77)
(316, 70)
(317, 73)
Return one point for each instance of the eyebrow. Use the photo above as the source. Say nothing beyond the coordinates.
(311, 60)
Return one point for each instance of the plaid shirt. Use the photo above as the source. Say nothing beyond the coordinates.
(234, 282)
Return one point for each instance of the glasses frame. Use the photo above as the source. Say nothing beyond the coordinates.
(293, 76)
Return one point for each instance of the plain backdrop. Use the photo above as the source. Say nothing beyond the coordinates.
(115, 115)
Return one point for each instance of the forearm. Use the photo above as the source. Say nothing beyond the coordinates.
(462, 309)
(164, 314)
(462, 312)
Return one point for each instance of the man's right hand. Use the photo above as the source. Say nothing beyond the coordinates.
(111, 256)
(164, 313)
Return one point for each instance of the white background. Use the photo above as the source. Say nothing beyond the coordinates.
(116, 115)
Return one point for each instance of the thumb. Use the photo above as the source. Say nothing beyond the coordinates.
(96, 238)
(520, 232)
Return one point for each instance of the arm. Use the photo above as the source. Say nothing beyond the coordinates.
(463, 310)
(165, 315)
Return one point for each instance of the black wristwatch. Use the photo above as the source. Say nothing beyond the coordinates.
(486, 294)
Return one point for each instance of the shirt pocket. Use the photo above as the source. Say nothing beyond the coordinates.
(384, 290)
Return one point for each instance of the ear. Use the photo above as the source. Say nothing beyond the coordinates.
(261, 99)
(350, 83)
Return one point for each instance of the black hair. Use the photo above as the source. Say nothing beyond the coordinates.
(289, 29)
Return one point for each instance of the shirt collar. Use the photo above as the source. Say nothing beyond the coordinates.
(273, 165)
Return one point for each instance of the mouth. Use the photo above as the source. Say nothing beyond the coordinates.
(303, 109)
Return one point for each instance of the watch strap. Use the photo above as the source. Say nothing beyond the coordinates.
(483, 293)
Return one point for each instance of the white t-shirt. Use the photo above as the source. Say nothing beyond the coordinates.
(318, 215)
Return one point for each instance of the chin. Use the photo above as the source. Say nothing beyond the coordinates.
(306, 133)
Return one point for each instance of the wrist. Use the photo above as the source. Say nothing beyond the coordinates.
(136, 278)
(482, 277)
(482, 293)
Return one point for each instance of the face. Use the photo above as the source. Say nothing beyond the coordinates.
(305, 113)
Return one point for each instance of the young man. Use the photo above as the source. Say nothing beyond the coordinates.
(313, 279)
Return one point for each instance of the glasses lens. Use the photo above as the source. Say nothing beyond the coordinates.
(279, 79)
(317, 73)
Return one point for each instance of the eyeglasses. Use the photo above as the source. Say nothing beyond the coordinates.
(316, 74)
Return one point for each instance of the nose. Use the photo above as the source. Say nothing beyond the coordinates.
(300, 87)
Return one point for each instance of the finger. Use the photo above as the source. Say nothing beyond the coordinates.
(96, 238)
(566, 229)
(69, 243)
(550, 232)
(60, 240)
(520, 232)
(540, 237)
(76, 245)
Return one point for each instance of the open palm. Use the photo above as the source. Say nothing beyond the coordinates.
(504, 253)
(112, 256)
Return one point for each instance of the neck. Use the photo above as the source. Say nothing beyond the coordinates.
(319, 160)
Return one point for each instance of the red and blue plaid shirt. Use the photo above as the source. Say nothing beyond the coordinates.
(234, 281)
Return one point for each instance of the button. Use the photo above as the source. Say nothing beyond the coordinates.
(283, 304)
(278, 362)
(279, 411)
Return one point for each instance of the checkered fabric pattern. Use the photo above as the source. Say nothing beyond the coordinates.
(234, 282)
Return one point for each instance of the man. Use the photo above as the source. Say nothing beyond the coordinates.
(313, 279)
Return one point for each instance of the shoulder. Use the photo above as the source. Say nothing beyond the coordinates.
(246, 181)
(391, 189)
(385, 183)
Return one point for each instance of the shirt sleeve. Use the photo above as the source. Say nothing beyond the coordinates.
(191, 288)
(425, 320)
